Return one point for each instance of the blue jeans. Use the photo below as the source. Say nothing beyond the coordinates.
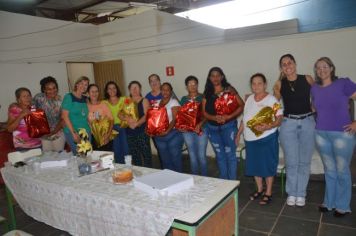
(222, 139)
(72, 144)
(197, 151)
(297, 140)
(170, 150)
(336, 149)
(120, 146)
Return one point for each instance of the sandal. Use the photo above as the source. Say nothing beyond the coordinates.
(265, 200)
(255, 195)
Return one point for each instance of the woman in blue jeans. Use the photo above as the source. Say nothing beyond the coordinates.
(297, 129)
(198, 140)
(170, 142)
(221, 129)
(335, 134)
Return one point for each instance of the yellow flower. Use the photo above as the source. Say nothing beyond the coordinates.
(84, 146)
(83, 133)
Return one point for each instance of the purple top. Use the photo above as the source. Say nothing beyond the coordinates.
(332, 104)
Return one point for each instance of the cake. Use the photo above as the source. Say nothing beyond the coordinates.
(122, 175)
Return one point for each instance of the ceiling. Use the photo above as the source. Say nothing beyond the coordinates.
(97, 11)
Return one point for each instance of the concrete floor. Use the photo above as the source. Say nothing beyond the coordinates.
(274, 219)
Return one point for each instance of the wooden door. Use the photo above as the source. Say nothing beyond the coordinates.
(109, 71)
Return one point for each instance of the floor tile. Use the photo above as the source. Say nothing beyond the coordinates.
(275, 206)
(308, 212)
(348, 220)
(295, 227)
(332, 230)
(256, 221)
(248, 232)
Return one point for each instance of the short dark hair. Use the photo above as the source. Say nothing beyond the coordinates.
(167, 84)
(106, 94)
(258, 75)
(151, 75)
(190, 78)
(20, 90)
(47, 80)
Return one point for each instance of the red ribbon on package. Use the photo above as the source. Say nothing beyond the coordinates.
(188, 116)
(157, 120)
(226, 103)
(37, 124)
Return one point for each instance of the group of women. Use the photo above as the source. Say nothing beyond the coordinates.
(314, 112)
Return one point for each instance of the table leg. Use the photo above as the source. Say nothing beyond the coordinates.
(10, 206)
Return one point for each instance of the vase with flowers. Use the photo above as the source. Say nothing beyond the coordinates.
(83, 148)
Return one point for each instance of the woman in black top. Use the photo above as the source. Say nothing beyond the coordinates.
(297, 129)
(138, 141)
(222, 129)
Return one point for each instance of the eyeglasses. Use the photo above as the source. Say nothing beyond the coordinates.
(322, 67)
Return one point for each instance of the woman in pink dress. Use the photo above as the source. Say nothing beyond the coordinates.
(16, 123)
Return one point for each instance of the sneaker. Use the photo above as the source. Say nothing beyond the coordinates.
(300, 201)
(291, 200)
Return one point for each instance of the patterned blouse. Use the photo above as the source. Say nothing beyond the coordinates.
(52, 108)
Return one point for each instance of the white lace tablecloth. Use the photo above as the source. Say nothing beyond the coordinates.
(92, 205)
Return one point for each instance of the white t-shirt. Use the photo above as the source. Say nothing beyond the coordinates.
(251, 109)
(172, 103)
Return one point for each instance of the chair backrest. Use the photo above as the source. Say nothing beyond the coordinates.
(17, 156)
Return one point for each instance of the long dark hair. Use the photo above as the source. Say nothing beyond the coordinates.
(132, 83)
(106, 94)
(291, 57)
(209, 87)
(330, 63)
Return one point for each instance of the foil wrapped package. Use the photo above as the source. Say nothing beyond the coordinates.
(188, 116)
(266, 115)
(100, 128)
(156, 121)
(128, 108)
(37, 124)
(226, 103)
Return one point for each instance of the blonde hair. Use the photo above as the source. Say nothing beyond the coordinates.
(80, 79)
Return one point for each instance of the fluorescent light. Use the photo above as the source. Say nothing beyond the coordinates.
(240, 13)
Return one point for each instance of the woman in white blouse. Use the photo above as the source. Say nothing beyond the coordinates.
(170, 142)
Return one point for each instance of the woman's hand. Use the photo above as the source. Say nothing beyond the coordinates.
(351, 128)
(76, 137)
(25, 112)
(263, 127)
(237, 139)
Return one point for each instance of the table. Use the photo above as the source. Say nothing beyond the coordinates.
(92, 205)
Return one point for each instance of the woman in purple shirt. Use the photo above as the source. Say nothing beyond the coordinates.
(335, 134)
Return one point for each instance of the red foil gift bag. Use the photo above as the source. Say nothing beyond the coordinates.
(37, 124)
(188, 116)
(157, 120)
(226, 103)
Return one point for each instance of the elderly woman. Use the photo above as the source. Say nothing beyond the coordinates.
(75, 112)
(170, 142)
(335, 134)
(99, 112)
(222, 129)
(16, 123)
(49, 101)
(297, 129)
(262, 149)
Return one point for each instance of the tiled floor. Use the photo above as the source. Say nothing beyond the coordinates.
(274, 219)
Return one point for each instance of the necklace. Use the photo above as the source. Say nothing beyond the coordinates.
(292, 85)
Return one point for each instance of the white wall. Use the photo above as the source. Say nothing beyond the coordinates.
(76, 70)
(240, 60)
(14, 76)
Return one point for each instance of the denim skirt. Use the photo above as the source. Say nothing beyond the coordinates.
(262, 156)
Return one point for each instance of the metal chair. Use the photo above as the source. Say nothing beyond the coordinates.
(281, 169)
(240, 149)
